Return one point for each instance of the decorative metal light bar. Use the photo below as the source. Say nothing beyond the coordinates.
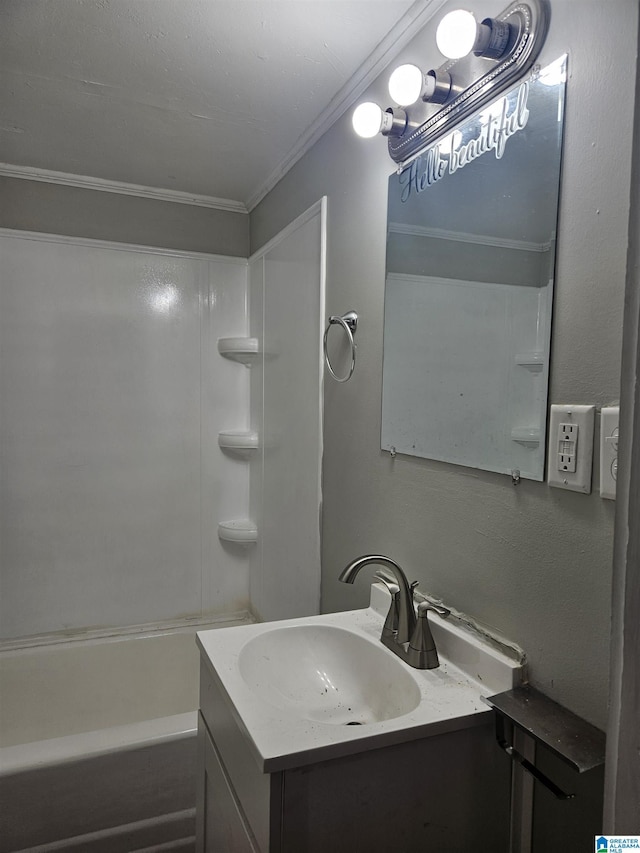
(482, 60)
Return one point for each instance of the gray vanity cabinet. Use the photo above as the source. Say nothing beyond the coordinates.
(222, 824)
(238, 806)
(446, 792)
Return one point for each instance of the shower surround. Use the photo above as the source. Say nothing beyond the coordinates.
(114, 481)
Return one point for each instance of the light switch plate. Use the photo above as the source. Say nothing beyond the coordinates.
(571, 447)
(609, 418)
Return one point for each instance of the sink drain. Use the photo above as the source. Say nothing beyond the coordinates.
(353, 723)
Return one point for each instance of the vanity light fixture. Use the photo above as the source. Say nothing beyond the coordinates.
(369, 120)
(408, 84)
(483, 60)
(458, 34)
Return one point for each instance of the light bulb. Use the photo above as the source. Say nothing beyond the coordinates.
(367, 120)
(456, 34)
(406, 84)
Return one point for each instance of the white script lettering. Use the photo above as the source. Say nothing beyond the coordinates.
(494, 133)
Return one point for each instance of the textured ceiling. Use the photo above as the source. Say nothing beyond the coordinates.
(202, 96)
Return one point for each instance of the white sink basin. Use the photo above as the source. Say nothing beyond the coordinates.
(293, 687)
(329, 674)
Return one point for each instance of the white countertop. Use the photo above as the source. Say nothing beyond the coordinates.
(450, 696)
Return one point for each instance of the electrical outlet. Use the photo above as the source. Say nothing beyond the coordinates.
(571, 447)
(609, 419)
(567, 447)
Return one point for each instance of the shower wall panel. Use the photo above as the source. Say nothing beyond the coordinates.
(287, 312)
(111, 398)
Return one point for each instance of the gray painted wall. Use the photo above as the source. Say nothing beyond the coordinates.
(56, 209)
(532, 563)
(622, 783)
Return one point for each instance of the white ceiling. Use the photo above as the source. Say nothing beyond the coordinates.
(209, 97)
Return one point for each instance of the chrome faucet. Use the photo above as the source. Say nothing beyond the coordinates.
(405, 635)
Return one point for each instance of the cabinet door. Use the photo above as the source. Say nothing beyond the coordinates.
(221, 824)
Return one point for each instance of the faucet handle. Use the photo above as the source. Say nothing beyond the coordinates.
(426, 605)
(390, 628)
(422, 652)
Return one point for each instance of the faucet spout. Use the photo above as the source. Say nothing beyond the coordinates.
(406, 612)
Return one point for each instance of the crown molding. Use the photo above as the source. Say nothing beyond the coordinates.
(47, 176)
(463, 237)
(400, 35)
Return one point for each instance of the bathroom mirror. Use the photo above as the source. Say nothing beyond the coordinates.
(471, 234)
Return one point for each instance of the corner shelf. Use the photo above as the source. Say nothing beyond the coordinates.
(241, 531)
(533, 360)
(243, 350)
(241, 442)
(526, 435)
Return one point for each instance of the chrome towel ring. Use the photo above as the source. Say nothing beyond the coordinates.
(349, 323)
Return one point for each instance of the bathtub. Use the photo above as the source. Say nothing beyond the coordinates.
(97, 743)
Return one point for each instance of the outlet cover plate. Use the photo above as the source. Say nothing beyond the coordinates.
(583, 417)
(609, 419)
